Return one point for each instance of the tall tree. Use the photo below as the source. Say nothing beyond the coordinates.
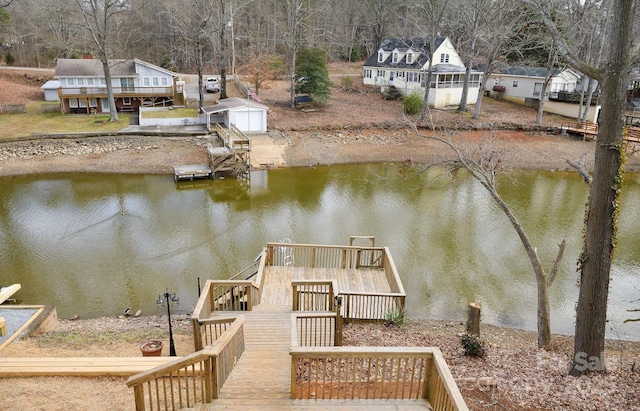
(312, 75)
(594, 264)
(432, 13)
(501, 20)
(101, 20)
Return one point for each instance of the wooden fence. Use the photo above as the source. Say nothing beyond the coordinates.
(194, 379)
(374, 373)
(13, 109)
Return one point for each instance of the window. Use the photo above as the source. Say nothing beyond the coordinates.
(82, 103)
(103, 82)
(156, 82)
(409, 57)
(71, 82)
(474, 80)
(400, 74)
(81, 82)
(89, 82)
(413, 77)
(367, 73)
(165, 81)
(380, 73)
(537, 89)
(73, 103)
(380, 56)
(126, 101)
(515, 84)
(395, 56)
(105, 104)
(146, 82)
(126, 83)
(496, 81)
(93, 102)
(444, 58)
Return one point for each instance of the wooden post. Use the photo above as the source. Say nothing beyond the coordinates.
(473, 319)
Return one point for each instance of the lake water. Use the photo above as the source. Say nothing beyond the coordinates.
(95, 244)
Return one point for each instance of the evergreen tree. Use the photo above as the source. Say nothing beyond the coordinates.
(312, 74)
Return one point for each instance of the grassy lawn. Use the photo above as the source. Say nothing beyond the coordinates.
(34, 122)
(175, 113)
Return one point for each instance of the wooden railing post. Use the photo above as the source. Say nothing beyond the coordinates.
(138, 393)
(337, 339)
(197, 334)
(296, 301)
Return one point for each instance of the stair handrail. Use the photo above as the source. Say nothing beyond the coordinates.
(212, 364)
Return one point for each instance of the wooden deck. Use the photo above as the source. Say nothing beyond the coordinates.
(273, 341)
(276, 289)
(262, 378)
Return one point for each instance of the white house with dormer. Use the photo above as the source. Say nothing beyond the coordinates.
(404, 64)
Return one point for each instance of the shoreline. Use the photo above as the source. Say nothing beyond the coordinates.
(143, 154)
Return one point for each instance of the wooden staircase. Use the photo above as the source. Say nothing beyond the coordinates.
(259, 373)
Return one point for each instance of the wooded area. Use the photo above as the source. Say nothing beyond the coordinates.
(177, 33)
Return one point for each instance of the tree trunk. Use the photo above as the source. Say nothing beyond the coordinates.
(113, 111)
(600, 233)
(427, 87)
(465, 87)
(483, 84)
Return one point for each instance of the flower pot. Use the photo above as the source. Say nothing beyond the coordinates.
(152, 348)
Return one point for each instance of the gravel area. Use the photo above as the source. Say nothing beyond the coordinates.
(15, 318)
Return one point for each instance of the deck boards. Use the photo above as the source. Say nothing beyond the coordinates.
(79, 367)
(261, 379)
(277, 289)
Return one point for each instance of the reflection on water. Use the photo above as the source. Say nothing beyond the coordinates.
(96, 244)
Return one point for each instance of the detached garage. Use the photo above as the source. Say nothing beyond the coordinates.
(248, 116)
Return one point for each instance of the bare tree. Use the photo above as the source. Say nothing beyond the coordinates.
(594, 263)
(484, 164)
(552, 59)
(500, 22)
(432, 13)
(101, 18)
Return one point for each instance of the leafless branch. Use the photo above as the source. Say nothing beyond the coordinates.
(582, 169)
(556, 263)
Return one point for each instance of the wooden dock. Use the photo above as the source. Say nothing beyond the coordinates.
(191, 172)
(273, 341)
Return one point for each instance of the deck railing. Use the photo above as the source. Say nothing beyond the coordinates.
(313, 295)
(196, 378)
(212, 329)
(355, 305)
(316, 329)
(321, 323)
(374, 373)
(324, 256)
(221, 296)
(371, 306)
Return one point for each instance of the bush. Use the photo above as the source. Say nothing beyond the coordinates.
(472, 344)
(9, 59)
(394, 317)
(412, 103)
(391, 93)
(346, 82)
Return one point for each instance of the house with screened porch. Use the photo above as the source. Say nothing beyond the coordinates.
(136, 83)
(404, 65)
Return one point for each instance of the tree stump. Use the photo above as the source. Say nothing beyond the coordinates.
(473, 319)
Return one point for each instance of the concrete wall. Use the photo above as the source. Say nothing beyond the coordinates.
(187, 121)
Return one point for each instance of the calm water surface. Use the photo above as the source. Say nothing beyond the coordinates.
(95, 244)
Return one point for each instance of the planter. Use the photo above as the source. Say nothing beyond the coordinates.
(152, 348)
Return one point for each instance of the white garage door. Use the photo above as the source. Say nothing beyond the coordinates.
(249, 121)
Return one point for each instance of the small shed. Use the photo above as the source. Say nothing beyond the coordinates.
(50, 89)
(247, 115)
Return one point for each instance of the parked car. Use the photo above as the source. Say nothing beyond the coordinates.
(211, 85)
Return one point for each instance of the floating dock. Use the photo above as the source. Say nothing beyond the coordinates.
(191, 172)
